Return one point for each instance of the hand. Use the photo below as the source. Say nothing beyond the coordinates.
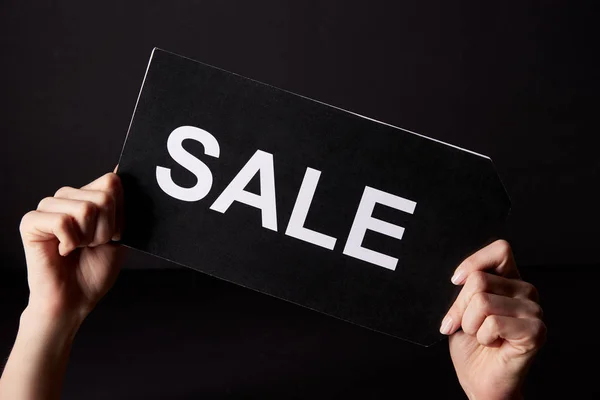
(501, 325)
(70, 266)
(71, 263)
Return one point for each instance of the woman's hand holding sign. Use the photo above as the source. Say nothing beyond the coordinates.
(501, 324)
(70, 259)
(71, 264)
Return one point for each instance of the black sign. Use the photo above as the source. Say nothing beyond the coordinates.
(304, 201)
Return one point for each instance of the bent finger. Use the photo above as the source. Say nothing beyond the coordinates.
(105, 204)
(83, 212)
(111, 183)
(482, 282)
(482, 305)
(496, 257)
(38, 226)
(523, 334)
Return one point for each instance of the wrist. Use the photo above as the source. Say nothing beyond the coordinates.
(58, 308)
(53, 325)
(39, 357)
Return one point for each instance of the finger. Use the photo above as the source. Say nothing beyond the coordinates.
(497, 257)
(83, 212)
(482, 305)
(105, 204)
(111, 183)
(37, 226)
(482, 282)
(524, 334)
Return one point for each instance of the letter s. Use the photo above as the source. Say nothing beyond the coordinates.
(189, 162)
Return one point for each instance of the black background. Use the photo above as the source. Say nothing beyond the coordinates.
(512, 80)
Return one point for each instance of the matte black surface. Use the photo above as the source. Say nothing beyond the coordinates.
(178, 334)
(460, 202)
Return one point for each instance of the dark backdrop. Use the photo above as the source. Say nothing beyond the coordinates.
(513, 80)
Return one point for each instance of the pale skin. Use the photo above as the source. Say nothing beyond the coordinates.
(495, 324)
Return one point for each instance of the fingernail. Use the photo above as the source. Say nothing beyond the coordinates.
(458, 277)
(446, 325)
(116, 237)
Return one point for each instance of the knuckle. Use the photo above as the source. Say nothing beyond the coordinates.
(104, 200)
(503, 247)
(479, 281)
(62, 191)
(536, 336)
(538, 312)
(481, 301)
(111, 182)
(530, 291)
(43, 202)
(25, 221)
(87, 210)
(493, 323)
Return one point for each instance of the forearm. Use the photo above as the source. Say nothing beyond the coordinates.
(38, 360)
